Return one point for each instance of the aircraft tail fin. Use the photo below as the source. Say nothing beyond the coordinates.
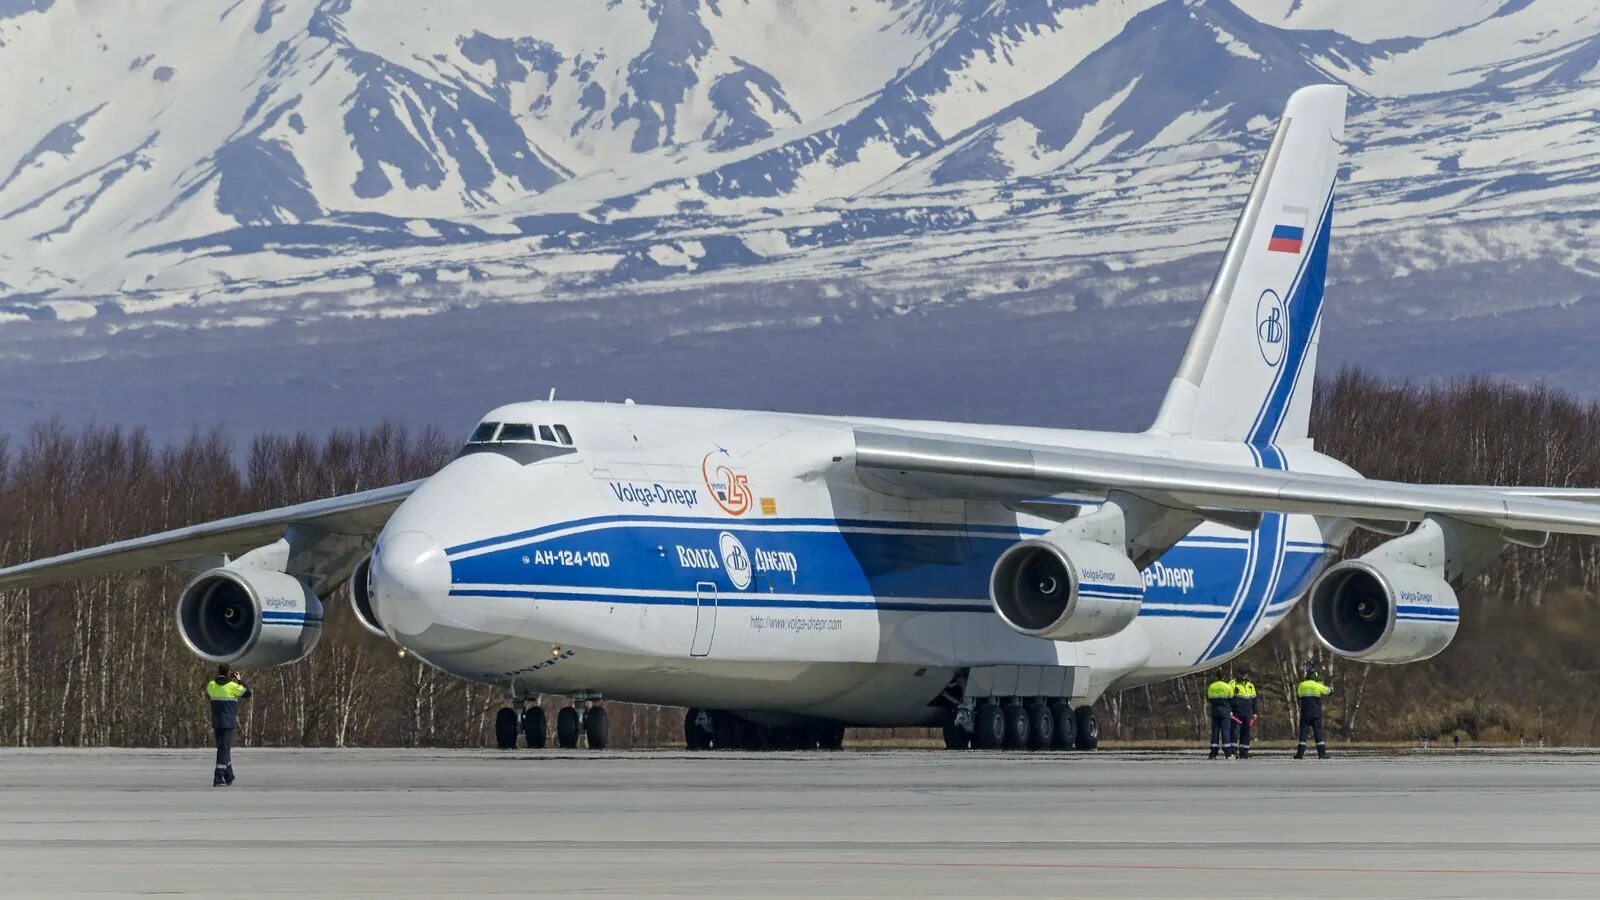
(1248, 371)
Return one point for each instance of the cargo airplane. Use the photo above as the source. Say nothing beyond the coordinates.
(784, 576)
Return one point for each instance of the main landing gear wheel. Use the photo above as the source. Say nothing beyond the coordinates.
(695, 737)
(1041, 726)
(595, 727)
(956, 737)
(1066, 726)
(567, 728)
(1016, 719)
(505, 729)
(989, 726)
(1088, 736)
(533, 727)
(830, 737)
(725, 731)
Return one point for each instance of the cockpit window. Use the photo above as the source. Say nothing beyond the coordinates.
(484, 433)
(564, 435)
(545, 434)
(516, 431)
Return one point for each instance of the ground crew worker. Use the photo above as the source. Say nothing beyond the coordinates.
(1219, 694)
(1311, 690)
(1244, 712)
(225, 691)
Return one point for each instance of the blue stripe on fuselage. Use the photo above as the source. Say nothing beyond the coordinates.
(912, 567)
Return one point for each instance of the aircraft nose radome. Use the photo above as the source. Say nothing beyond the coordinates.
(410, 578)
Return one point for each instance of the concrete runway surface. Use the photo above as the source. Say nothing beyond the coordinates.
(890, 823)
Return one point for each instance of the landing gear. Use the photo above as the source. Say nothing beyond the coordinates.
(1041, 726)
(1016, 726)
(533, 727)
(596, 727)
(1088, 732)
(505, 729)
(567, 728)
(830, 737)
(989, 726)
(697, 729)
(727, 731)
(1066, 726)
(956, 737)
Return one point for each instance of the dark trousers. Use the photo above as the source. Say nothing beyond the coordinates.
(1309, 726)
(1241, 728)
(1222, 731)
(224, 755)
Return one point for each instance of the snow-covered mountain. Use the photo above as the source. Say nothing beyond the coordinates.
(173, 166)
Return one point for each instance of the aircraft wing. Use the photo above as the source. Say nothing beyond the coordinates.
(364, 512)
(955, 466)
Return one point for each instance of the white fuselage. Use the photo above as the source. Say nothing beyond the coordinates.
(734, 560)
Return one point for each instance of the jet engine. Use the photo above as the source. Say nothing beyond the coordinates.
(1065, 589)
(249, 617)
(360, 588)
(1383, 611)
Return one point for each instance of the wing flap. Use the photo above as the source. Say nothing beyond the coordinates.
(995, 470)
(364, 512)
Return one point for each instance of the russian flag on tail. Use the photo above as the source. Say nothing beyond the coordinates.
(1286, 239)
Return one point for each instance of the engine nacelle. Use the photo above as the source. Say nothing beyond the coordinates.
(249, 617)
(1383, 611)
(360, 588)
(1065, 589)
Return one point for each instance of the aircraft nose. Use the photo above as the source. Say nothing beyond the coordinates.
(410, 580)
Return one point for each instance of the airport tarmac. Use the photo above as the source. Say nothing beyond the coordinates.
(892, 823)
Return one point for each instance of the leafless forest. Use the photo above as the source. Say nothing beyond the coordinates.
(99, 663)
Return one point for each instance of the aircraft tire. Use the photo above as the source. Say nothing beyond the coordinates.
(830, 737)
(567, 728)
(1088, 731)
(505, 729)
(533, 727)
(597, 727)
(1041, 726)
(1016, 725)
(725, 730)
(956, 737)
(695, 737)
(1066, 723)
(989, 726)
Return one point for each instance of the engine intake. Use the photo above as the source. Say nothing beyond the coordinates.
(360, 587)
(1065, 589)
(252, 618)
(1383, 611)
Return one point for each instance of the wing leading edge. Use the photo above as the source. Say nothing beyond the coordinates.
(956, 466)
(360, 513)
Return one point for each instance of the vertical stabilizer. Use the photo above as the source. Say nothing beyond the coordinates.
(1248, 370)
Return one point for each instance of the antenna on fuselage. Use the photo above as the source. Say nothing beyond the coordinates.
(552, 394)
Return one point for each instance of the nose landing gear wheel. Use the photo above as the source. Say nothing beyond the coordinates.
(533, 727)
(505, 729)
(595, 727)
(1041, 726)
(567, 728)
